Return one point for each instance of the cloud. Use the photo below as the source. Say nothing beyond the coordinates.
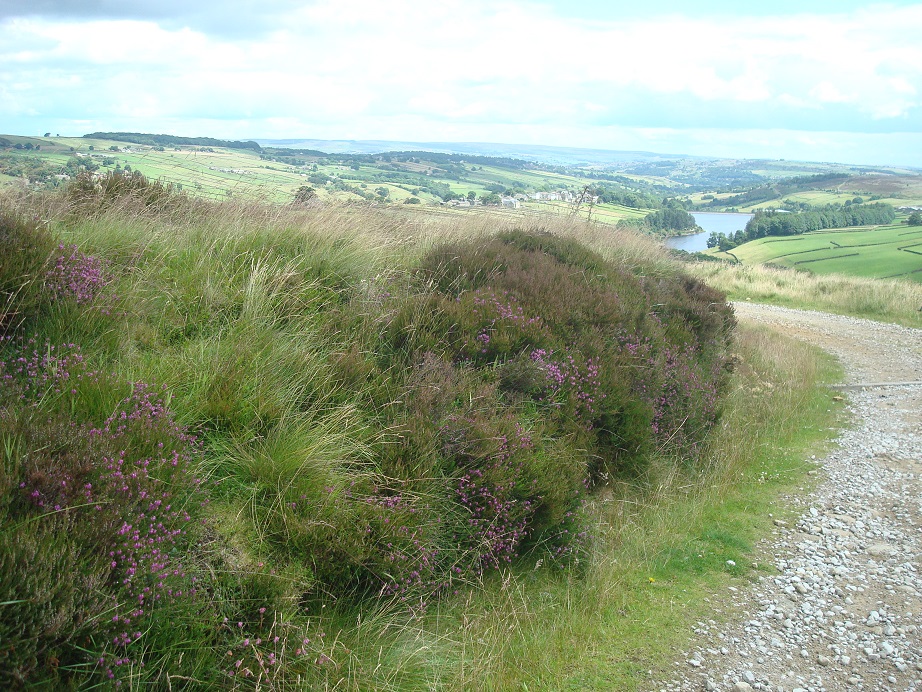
(365, 69)
(231, 18)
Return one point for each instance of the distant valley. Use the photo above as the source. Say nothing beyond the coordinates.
(651, 192)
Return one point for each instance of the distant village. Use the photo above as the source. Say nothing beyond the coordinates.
(516, 201)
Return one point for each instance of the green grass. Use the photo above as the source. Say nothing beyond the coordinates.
(194, 170)
(660, 552)
(601, 213)
(885, 300)
(875, 252)
(814, 197)
(246, 314)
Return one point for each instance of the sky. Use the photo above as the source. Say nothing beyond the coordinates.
(816, 81)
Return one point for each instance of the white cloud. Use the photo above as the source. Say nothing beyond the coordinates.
(827, 92)
(361, 68)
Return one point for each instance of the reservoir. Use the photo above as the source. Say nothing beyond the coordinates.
(710, 222)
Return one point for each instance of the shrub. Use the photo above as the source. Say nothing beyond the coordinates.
(574, 315)
(75, 276)
(90, 194)
(523, 370)
(468, 410)
(96, 482)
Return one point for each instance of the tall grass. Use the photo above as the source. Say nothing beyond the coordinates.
(660, 546)
(877, 299)
(363, 426)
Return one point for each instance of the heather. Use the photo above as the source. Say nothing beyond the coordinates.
(284, 447)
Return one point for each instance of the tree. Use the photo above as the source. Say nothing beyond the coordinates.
(471, 196)
(304, 194)
(724, 243)
(47, 134)
(915, 218)
(672, 218)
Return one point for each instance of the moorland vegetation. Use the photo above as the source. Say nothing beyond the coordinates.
(251, 445)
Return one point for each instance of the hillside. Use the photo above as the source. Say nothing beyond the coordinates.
(840, 186)
(368, 428)
(468, 182)
(882, 252)
(374, 447)
(606, 186)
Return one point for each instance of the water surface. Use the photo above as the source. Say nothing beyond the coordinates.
(710, 221)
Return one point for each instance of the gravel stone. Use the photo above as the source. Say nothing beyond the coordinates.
(838, 610)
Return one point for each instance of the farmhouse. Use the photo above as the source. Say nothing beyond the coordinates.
(558, 196)
(235, 171)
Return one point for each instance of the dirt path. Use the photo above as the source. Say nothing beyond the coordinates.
(844, 611)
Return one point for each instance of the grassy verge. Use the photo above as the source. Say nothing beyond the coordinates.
(877, 299)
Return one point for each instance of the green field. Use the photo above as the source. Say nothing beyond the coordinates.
(219, 173)
(603, 213)
(191, 169)
(876, 252)
(899, 187)
(820, 198)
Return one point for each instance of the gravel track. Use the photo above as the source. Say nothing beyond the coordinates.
(844, 611)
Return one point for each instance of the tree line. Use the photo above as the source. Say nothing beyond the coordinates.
(778, 189)
(777, 223)
(172, 140)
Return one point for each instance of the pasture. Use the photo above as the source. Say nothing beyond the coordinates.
(881, 252)
(221, 173)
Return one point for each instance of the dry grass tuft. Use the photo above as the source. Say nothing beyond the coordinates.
(880, 299)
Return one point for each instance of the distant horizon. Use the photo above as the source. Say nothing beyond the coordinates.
(664, 154)
(187, 132)
(444, 145)
(293, 141)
